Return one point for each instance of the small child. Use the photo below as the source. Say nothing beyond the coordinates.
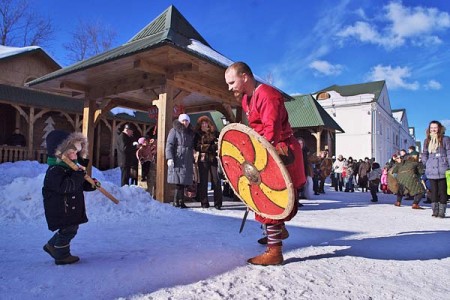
(63, 193)
(383, 180)
(374, 180)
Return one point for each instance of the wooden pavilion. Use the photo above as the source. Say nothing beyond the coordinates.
(168, 65)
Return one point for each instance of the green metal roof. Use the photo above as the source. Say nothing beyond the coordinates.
(168, 28)
(374, 87)
(26, 96)
(30, 97)
(304, 111)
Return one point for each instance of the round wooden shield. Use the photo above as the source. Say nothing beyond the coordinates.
(392, 182)
(255, 172)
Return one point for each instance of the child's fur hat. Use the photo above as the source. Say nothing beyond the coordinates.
(59, 142)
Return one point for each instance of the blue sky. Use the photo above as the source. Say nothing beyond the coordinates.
(304, 46)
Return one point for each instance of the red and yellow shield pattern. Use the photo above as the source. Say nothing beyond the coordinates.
(255, 172)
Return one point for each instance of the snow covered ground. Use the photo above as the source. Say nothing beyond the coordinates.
(341, 246)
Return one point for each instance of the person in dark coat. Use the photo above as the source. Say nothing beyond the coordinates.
(180, 157)
(63, 193)
(205, 143)
(17, 139)
(363, 171)
(374, 180)
(408, 171)
(435, 157)
(126, 153)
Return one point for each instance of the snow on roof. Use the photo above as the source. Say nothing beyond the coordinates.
(6, 51)
(398, 115)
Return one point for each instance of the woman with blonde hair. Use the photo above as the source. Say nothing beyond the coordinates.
(435, 157)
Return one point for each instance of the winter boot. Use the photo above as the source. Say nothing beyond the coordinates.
(272, 256)
(182, 205)
(442, 208)
(63, 256)
(435, 209)
(284, 235)
(398, 203)
(176, 203)
(50, 250)
(416, 206)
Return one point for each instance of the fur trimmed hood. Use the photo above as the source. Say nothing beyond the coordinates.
(59, 142)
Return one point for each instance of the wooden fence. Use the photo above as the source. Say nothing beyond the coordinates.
(13, 154)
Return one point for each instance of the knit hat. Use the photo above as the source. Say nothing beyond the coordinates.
(183, 117)
(141, 140)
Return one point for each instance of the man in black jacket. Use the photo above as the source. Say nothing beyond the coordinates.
(126, 153)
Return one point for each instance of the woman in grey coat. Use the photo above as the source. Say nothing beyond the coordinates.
(435, 157)
(180, 157)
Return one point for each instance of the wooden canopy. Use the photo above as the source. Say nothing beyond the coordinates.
(167, 64)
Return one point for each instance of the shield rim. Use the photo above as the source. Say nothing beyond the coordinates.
(272, 151)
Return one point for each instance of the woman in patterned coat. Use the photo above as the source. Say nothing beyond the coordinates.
(408, 172)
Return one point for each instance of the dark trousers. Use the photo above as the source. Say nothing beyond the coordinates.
(373, 191)
(145, 169)
(204, 169)
(316, 183)
(322, 185)
(125, 175)
(179, 194)
(63, 236)
(439, 190)
(339, 181)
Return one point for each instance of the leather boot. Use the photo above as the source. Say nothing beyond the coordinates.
(416, 206)
(284, 235)
(272, 256)
(435, 209)
(63, 256)
(398, 203)
(442, 208)
(50, 250)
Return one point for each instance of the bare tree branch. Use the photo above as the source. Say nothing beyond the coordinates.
(20, 26)
(89, 39)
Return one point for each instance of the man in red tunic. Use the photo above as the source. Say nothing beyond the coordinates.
(267, 115)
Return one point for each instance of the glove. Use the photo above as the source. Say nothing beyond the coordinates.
(170, 163)
(97, 183)
(282, 149)
(135, 143)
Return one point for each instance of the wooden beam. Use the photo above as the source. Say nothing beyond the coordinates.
(89, 107)
(188, 85)
(145, 66)
(228, 112)
(180, 96)
(149, 67)
(165, 111)
(127, 84)
(73, 86)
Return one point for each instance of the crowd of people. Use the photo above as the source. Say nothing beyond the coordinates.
(408, 174)
(191, 157)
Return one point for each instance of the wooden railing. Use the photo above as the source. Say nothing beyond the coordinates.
(13, 154)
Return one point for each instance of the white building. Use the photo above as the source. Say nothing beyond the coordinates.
(372, 128)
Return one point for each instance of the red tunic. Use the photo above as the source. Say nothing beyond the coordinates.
(268, 116)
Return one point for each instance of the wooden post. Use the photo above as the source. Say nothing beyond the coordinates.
(88, 127)
(165, 112)
(317, 136)
(30, 144)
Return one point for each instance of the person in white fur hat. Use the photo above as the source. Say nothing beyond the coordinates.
(180, 157)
